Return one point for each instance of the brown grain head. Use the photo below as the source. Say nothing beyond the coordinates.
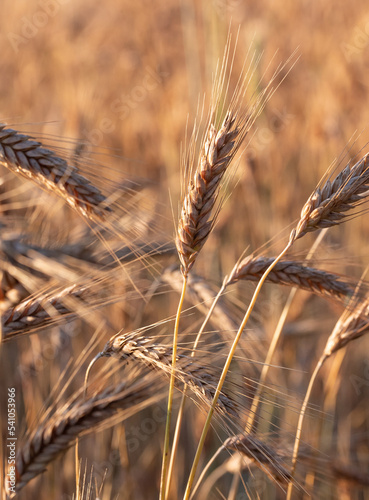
(28, 158)
(194, 373)
(196, 220)
(328, 206)
(353, 323)
(37, 312)
(294, 274)
(58, 432)
(261, 454)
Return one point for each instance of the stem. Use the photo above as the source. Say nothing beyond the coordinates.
(183, 401)
(268, 359)
(301, 421)
(164, 470)
(175, 440)
(274, 342)
(77, 469)
(227, 365)
(210, 312)
(235, 483)
(206, 468)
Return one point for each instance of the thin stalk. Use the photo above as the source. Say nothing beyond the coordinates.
(210, 312)
(77, 469)
(227, 365)
(206, 468)
(98, 356)
(235, 484)
(268, 359)
(164, 470)
(301, 421)
(183, 401)
(274, 342)
(175, 440)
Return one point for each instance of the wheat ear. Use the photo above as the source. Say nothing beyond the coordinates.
(263, 455)
(28, 158)
(253, 451)
(195, 222)
(58, 432)
(327, 206)
(37, 312)
(351, 325)
(159, 357)
(324, 209)
(293, 274)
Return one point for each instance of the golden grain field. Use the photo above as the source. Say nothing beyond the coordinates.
(93, 234)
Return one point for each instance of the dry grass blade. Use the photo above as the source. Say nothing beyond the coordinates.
(25, 156)
(291, 273)
(159, 357)
(352, 325)
(261, 454)
(37, 312)
(195, 222)
(57, 432)
(327, 206)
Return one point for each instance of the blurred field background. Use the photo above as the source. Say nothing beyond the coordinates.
(118, 81)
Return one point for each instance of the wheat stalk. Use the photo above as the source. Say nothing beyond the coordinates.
(324, 209)
(201, 295)
(197, 219)
(352, 325)
(28, 158)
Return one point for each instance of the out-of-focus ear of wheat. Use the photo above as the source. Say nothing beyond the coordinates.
(28, 158)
